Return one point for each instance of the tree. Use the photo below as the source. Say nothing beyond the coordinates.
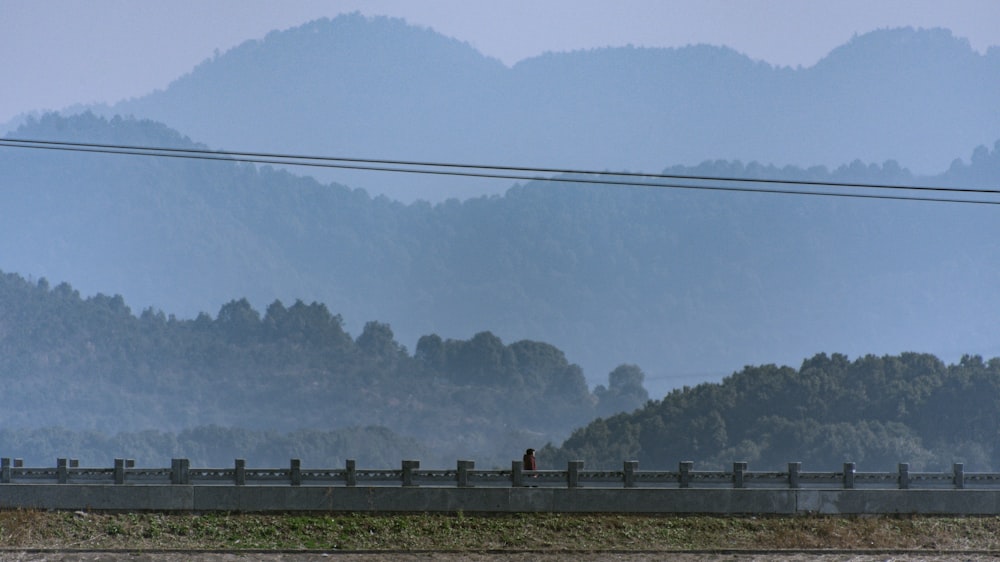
(238, 320)
(310, 324)
(624, 392)
(482, 360)
(537, 361)
(378, 342)
(431, 352)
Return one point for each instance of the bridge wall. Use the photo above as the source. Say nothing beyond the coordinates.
(385, 499)
(464, 489)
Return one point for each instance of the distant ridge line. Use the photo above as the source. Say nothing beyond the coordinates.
(455, 169)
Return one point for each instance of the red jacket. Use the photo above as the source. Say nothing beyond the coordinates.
(529, 462)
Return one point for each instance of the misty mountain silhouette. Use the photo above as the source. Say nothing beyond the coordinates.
(682, 283)
(379, 88)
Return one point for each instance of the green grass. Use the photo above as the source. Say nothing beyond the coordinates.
(464, 532)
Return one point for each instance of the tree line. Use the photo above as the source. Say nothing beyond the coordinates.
(91, 364)
(876, 411)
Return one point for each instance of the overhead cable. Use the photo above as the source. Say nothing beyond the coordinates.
(507, 172)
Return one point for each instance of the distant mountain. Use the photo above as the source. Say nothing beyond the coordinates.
(686, 284)
(379, 88)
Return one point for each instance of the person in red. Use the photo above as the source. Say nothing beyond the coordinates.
(529, 460)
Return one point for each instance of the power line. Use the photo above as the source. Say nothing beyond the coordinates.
(571, 171)
(505, 172)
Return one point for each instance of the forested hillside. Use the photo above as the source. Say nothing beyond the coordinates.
(686, 284)
(517, 316)
(623, 273)
(91, 364)
(875, 411)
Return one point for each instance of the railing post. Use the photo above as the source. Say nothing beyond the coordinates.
(794, 468)
(351, 472)
(119, 471)
(240, 472)
(74, 463)
(684, 475)
(739, 468)
(18, 463)
(573, 474)
(295, 472)
(959, 471)
(61, 472)
(5, 470)
(849, 469)
(629, 470)
(180, 471)
(463, 473)
(904, 476)
(408, 468)
(516, 474)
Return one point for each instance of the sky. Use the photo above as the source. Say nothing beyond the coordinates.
(57, 53)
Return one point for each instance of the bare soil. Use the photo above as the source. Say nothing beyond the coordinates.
(157, 537)
(84, 556)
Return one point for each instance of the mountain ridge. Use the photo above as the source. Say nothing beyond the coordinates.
(675, 281)
(379, 88)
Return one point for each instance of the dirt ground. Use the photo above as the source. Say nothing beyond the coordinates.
(49, 556)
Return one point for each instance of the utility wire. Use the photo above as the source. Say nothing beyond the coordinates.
(502, 168)
(508, 168)
(454, 169)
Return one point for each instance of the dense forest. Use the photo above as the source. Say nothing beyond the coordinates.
(86, 378)
(688, 284)
(91, 364)
(876, 411)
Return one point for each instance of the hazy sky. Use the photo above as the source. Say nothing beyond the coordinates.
(54, 53)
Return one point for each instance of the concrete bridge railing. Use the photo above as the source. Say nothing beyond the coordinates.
(124, 487)
(466, 475)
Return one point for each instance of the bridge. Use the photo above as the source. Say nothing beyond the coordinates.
(124, 487)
